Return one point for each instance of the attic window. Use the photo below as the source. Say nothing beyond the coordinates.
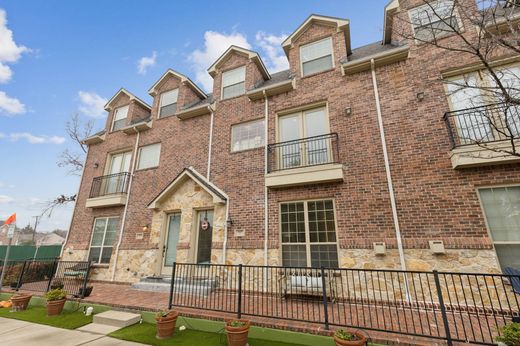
(120, 115)
(234, 82)
(168, 103)
(316, 56)
(434, 20)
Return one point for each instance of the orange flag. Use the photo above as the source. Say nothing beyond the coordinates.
(10, 220)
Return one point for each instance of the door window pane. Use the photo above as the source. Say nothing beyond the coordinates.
(502, 211)
(174, 226)
(510, 80)
(316, 125)
(205, 236)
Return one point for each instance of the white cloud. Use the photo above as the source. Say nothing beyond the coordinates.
(9, 50)
(215, 44)
(5, 73)
(10, 105)
(272, 47)
(92, 104)
(5, 185)
(32, 139)
(145, 62)
(5, 199)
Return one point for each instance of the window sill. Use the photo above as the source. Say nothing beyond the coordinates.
(474, 155)
(318, 73)
(146, 169)
(100, 265)
(246, 150)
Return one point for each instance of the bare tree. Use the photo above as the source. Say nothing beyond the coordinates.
(77, 130)
(486, 102)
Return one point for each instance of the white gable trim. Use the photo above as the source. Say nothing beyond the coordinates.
(251, 55)
(183, 79)
(132, 97)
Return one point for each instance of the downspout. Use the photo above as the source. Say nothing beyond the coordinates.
(224, 243)
(208, 174)
(77, 196)
(387, 168)
(123, 221)
(266, 160)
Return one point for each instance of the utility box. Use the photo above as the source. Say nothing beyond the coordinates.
(437, 247)
(380, 248)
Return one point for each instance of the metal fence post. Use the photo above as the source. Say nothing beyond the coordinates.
(170, 299)
(443, 308)
(85, 281)
(51, 275)
(19, 283)
(325, 303)
(239, 309)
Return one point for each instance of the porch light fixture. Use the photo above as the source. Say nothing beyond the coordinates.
(348, 111)
(146, 228)
(96, 165)
(420, 96)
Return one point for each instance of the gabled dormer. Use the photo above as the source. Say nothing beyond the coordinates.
(317, 45)
(237, 71)
(126, 110)
(173, 93)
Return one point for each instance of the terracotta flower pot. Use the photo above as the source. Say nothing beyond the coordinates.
(55, 307)
(20, 301)
(360, 341)
(237, 336)
(166, 325)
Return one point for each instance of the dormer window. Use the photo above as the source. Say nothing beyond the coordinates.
(168, 103)
(316, 56)
(120, 115)
(434, 20)
(234, 82)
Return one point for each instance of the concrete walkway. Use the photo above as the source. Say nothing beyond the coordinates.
(21, 333)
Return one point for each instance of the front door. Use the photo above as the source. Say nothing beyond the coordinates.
(204, 236)
(170, 242)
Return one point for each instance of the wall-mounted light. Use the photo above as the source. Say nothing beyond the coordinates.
(146, 228)
(348, 111)
(229, 222)
(420, 96)
(96, 165)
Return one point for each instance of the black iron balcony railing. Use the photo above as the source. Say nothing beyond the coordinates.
(483, 124)
(110, 184)
(311, 151)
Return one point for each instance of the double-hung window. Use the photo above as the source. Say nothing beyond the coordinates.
(434, 20)
(234, 82)
(316, 56)
(308, 232)
(120, 116)
(168, 103)
(502, 210)
(103, 237)
(149, 156)
(248, 135)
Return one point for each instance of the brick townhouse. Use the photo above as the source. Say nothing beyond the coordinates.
(342, 160)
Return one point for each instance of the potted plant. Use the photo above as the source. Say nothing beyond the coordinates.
(344, 338)
(57, 284)
(237, 331)
(55, 301)
(20, 301)
(510, 334)
(165, 321)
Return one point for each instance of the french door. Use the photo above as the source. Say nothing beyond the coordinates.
(119, 163)
(301, 150)
(170, 242)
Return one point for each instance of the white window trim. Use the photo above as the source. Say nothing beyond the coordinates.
(161, 101)
(488, 229)
(455, 12)
(307, 233)
(244, 123)
(114, 116)
(222, 82)
(331, 53)
(139, 157)
(98, 262)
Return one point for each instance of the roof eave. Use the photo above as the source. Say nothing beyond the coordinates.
(195, 111)
(271, 90)
(380, 59)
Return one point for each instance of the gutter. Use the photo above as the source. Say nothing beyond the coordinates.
(387, 169)
(379, 59)
(266, 197)
(208, 171)
(123, 221)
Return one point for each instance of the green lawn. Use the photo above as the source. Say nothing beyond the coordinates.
(145, 333)
(38, 314)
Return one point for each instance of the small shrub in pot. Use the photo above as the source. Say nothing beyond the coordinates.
(344, 338)
(55, 301)
(237, 332)
(510, 334)
(166, 321)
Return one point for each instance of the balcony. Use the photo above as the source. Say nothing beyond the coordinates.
(109, 190)
(304, 161)
(484, 135)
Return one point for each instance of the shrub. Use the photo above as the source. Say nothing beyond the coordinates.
(236, 323)
(344, 335)
(510, 334)
(56, 294)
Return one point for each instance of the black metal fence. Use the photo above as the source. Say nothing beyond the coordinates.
(110, 184)
(43, 275)
(455, 307)
(311, 151)
(484, 124)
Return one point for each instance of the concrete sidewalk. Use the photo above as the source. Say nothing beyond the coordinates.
(21, 333)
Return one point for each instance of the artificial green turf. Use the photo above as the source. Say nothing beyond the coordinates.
(145, 333)
(38, 314)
